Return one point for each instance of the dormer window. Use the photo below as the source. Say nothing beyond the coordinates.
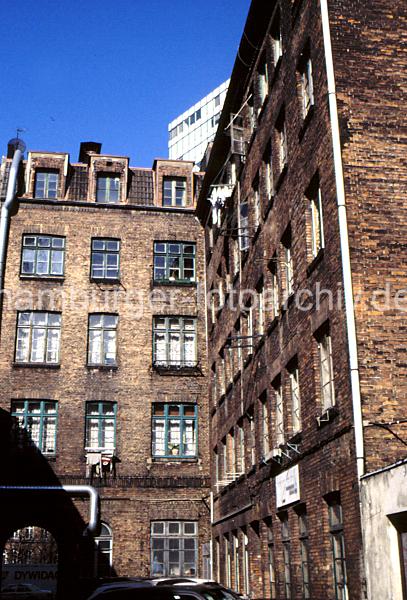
(108, 189)
(46, 184)
(174, 191)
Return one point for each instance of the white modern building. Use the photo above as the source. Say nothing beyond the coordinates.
(190, 133)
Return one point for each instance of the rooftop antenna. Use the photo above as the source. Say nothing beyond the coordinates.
(20, 130)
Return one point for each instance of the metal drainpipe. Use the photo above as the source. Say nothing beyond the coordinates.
(72, 490)
(8, 204)
(344, 243)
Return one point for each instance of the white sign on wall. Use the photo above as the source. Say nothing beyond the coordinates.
(288, 486)
(43, 576)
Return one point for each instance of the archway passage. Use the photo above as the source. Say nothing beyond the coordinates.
(30, 557)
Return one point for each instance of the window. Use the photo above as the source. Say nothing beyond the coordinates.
(174, 191)
(236, 559)
(39, 419)
(104, 554)
(326, 370)
(43, 256)
(271, 563)
(240, 448)
(105, 259)
(174, 430)
(274, 289)
(306, 87)
(316, 221)
(281, 143)
(108, 189)
(174, 548)
(268, 171)
(46, 184)
(174, 342)
(288, 264)
(244, 226)
(265, 424)
(252, 435)
(263, 81)
(304, 554)
(38, 337)
(279, 414)
(174, 261)
(338, 549)
(293, 374)
(102, 346)
(100, 425)
(276, 40)
(285, 536)
(260, 309)
(256, 203)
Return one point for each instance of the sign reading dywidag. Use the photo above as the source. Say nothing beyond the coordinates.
(288, 487)
(43, 576)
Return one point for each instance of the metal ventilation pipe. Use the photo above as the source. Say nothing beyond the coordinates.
(19, 148)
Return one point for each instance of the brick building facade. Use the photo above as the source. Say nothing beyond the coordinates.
(103, 359)
(303, 204)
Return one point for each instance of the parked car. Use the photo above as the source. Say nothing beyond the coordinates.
(170, 590)
(24, 591)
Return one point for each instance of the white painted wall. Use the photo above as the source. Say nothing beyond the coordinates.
(383, 494)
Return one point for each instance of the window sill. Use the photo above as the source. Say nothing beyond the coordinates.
(174, 458)
(51, 278)
(315, 262)
(306, 122)
(103, 367)
(178, 369)
(327, 416)
(105, 281)
(178, 282)
(28, 365)
(281, 178)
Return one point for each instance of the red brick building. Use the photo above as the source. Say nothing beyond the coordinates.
(303, 204)
(103, 360)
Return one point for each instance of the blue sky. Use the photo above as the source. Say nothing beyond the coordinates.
(115, 72)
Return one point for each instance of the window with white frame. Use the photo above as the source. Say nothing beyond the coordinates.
(174, 262)
(105, 259)
(174, 342)
(315, 219)
(263, 80)
(174, 191)
(285, 537)
(256, 203)
(102, 340)
(338, 549)
(104, 551)
(281, 132)
(38, 418)
(43, 256)
(265, 424)
(174, 548)
(228, 560)
(246, 563)
(236, 559)
(252, 435)
(244, 240)
(38, 337)
(304, 553)
(293, 374)
(274, 287)
(268, 171)
(276, 39)
(326, 368)
(100, 426)
(108, 189)
(174, 430)
(288, 264)
(279, 413)
(306, 86)
(260, 308)
(46, 184)
(270, 559)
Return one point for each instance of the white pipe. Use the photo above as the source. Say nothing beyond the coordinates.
(6, 209)
(73, 490)
(344, 243)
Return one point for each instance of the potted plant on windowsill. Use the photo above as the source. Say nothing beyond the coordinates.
(173, 449)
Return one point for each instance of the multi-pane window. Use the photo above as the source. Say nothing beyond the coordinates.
(274, 288)
(174, 342)
(279, 414)
(306, 85)
(268, 171)
(293, 374)
(43, 256)
(244, 226)
(108, 189)
(100, 425)
(288, 264)
(304, 554)
(285, 536)
(174, 261)
(174, 430)
(246, 564)
(338, 550)
(38, 337)
(256, 203)
(281, 131)
(260, 309)
(252, 435)
(316, 222)
(174, 548)
(102, 340)
(174, 191)
(39, 419)
(105, 259)
(46, 184)
(240, 448)
(271, 562)
(236, 559)
(326, 370)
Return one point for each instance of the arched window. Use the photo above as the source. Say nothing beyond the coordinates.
(104, 551)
